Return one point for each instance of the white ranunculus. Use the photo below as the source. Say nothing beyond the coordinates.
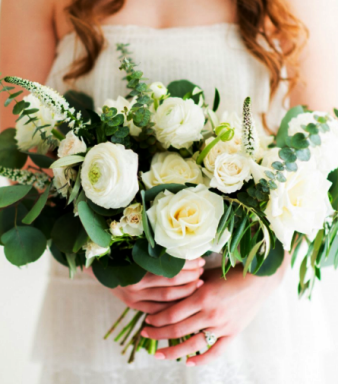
(94, 250)
(109, 175)
(178, 122)
(121, 104)
(158, 90)
(300, 204)
(186, 223)
(131, 221)
(62, 178)
(326, 153)
(24, 133)
(71, 145)
(230, 172)
(170, 167)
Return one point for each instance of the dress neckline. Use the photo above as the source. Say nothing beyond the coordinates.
(141, 29)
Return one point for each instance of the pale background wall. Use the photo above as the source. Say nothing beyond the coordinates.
(21, 295)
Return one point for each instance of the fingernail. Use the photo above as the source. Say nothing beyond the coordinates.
(201, 271)
(147, 320)
(144, 333)
(201, 262)
(159, 356)
(200, 283)
(190, 364)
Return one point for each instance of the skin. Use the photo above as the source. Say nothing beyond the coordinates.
(182, 305)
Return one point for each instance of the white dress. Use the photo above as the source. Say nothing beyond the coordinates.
(286, 343)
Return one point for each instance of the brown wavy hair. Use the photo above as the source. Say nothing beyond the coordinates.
(267, 19)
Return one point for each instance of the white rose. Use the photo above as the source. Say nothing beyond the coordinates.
(131, 221)
(71, 145)
(62, 177)
(300, 204)
(170, 167)
(178, 122)
(24, 133)
(93, 250)
(186, 223)
(109, 175)
(326, 153)
(120, 104)
(158, 90)
(230, 172)
(115, 229)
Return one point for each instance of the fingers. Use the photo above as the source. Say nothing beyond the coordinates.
(190, 346)
(168, 293)
(149, 306)
(212, 353)
(184, 277)
(193, 264)
(175, 331)
(176, 313)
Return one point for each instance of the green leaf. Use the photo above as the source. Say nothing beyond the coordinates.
(272, 184)
(247, 200)
(10, 156)
(67, 160)
(112, 276)
(287, 154)
(80, 240)
(165, 265)
(291, 167)
(12, 194)
(180, 88)
(280, 177)
(142, 117)
(76, 188)
(6, 89)
(20, 106)
(278, 166)
(312, 129)
(8, 101)
(145, 222)
(217, 100)
(41, 161)
(23, 245)
(151, 193)
(283, 129)
(236, 237)
(81, 102)
(8, 216)
(333, 177)
(38, 207)
(122, 132)
(16, 94)
(335, 110)
(270, 175)
(116, 121)
(315, 139)
(65, 232)
(58, 256)
(272, 262)
(95, 225)
(299, 141)
(303, 154)
(103, 211)
(251, 256)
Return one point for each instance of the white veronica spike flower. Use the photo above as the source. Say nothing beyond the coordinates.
(250, 135)
(50, 99)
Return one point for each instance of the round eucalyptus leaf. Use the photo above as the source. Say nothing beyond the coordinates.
(65, 232)
(7, 217)
(23, 245)
(12, 194)
(288, 155)
(123, 274)
(315, 139)
(291, 167)
(299, 141)
(303, 154)
(165, 265)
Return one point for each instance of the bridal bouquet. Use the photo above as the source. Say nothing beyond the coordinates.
(151, 180)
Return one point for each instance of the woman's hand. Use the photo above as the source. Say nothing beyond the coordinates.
(155, 293)
(222, 307)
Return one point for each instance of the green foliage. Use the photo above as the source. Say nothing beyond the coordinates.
(11, 215)
(103, 211)
(184, 89)
(272, 262)
(112, 274)
(165, 265)
(299, 141)
(23, 245)
(38, 207)
(283, 129)
(145, 222)
(288, 155)
(67, 160)
(151, 193)
(94, 224)
(12, 194)
(41, 161)
(81, 102)
(10, 156)
(58, 255)
(217, 100)
(333, 177)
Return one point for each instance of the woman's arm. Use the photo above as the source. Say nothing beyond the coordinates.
(238, 299)
(27, 44)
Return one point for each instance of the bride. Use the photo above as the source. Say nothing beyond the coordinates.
(244, 48)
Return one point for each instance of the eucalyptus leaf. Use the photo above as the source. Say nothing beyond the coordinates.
(165, 265)
(23, 245)
(151, 193)
(287, 154)
(9, 215)
(299, 141)
(251, 256)
(11, 194)
(94, 224)
(38, 207)
(303, 154)
(41, 161)
(283, 130)
(103, 211)
(10, 156)
(180, 88)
